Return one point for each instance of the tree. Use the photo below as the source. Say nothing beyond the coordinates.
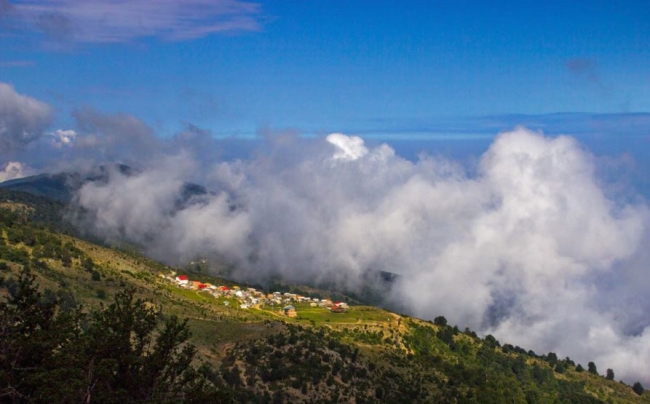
(446, 336)
(88, 264)
(32, 334)
(591, 368)
(610, 374)
(66, 259)
(440, 320)
(569, 362)
(638, 388)
(579, 368)
(112, 355)
(491, 341)
(130, 364)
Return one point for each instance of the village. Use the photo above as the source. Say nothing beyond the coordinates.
(247, 298)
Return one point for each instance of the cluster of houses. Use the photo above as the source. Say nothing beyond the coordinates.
(251, 297)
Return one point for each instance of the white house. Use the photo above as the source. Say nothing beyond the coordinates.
(182, 280)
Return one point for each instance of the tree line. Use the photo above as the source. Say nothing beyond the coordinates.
(117, 354)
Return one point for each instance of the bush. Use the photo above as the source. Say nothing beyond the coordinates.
(101, 294)
(638, 388)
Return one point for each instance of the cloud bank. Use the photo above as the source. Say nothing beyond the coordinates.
(102, 21)
(529, 248)
(529, 245)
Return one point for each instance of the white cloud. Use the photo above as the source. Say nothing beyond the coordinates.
(349, 147)
(62, 138)
(146, 207)
(13, 170)
(22, 119)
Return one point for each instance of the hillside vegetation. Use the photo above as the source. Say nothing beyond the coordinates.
(62, 297)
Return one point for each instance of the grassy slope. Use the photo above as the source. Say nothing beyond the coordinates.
(364, 354)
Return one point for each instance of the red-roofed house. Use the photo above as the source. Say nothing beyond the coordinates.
(182, 280)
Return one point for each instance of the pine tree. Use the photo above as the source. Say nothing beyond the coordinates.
(112, 355)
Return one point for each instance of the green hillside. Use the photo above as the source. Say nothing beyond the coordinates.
(246, 347)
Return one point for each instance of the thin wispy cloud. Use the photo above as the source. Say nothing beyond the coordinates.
(583, 66)
(587, 69)
(16, 63)
(485, 127)
(4, 7)
(103, 21)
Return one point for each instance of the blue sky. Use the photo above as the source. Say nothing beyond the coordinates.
(371, 67)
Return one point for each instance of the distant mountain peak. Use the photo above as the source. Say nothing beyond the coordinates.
(63, 185)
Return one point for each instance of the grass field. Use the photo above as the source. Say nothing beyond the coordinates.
(319, 315)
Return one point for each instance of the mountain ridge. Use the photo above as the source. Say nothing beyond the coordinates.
(63, 185)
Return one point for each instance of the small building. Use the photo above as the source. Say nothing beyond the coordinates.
(342, 305)
(325, 303)
(290, 311)
(182, 280)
